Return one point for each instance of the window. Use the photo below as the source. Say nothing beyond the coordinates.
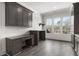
(66, 25)
(57, 25)
(49, 25)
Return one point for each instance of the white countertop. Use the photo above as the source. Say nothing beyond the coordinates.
(13, 31)
(9, 32)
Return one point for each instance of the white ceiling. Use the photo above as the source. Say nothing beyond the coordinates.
(43, 7)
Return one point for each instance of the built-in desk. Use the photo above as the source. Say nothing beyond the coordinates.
(16, 44)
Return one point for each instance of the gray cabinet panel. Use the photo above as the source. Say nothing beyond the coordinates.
(76, 18)
(76, 26)
(35, 34)
(11, 14)
(19, 16)
(30, 19)
(25, 18)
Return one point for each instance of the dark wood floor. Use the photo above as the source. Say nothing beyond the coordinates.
(49, 48)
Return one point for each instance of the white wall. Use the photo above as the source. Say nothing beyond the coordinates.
(64, 37)
(14, 31)
(2, 14)
(37, 19)
(2, 19)
(57, 13)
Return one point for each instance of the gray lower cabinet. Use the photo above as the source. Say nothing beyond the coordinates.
(38, 36)
(78, 48)
(15, 45)
(76, 45)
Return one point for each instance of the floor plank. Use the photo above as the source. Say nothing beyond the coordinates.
(49, 48)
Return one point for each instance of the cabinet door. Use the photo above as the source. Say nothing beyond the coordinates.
(36, 37)
(0, 47)
(30, 19)
(78, 49)
(76, 18)
(41, 35)
(19, 15)
(11, 14)
(17, 46)
(3, 45)
(76, 45)
(25, 18)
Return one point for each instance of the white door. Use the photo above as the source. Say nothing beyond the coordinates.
(2, 23)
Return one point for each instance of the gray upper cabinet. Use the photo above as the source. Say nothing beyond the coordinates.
(17, 15)
(11, 14)
(30, 19)
(25, 18)
(76, 18)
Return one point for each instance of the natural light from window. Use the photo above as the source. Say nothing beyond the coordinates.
(59, 25)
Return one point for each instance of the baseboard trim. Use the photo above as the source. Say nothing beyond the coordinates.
(58, 40)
